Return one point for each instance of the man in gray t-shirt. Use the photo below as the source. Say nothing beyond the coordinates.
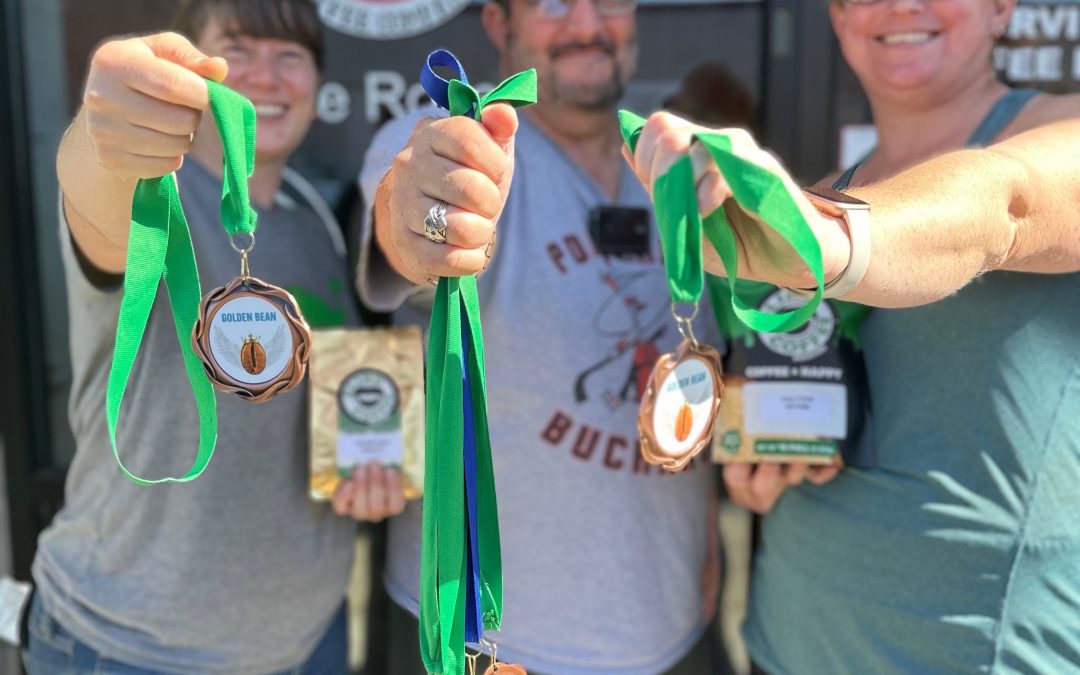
(236, 571)
(603, 555)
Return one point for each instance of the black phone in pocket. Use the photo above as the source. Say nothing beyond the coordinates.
(620, 230)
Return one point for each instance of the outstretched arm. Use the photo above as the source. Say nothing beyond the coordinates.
(1012, 206)
(935, 227)
(143, 101)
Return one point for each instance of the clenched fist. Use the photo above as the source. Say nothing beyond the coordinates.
(144, 99)
(459, 162)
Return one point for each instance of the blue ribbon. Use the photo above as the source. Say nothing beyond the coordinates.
(437, 87)
(473, 620)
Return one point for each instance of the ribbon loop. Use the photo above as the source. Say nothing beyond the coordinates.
(159, 247)
(435, 85)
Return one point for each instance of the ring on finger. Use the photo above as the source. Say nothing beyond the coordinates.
(435, 222)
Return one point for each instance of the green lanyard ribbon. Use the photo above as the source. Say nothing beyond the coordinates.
(159, 248)
(456, 386)
(756, 190)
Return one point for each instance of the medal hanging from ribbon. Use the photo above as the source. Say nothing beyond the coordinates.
(248, 338)
(685, 390)
(461, 565)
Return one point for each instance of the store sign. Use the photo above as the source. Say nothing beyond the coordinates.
(385, 93)
(1041, 47)
(388, 19)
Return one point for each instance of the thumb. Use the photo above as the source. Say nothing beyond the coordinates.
(501, 122)
(179, 50)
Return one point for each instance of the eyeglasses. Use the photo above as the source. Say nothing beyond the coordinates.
(558, 9)
(858, 2)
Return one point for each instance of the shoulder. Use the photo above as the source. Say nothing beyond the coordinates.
(1047, 109)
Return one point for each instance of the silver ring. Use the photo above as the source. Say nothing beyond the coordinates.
(435, 223)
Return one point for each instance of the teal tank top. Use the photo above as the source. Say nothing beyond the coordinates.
(958, 551)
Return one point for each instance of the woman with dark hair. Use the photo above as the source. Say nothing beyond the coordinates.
(237, 571)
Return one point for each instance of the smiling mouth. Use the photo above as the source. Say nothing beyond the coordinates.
(909, 38)
(269, 110)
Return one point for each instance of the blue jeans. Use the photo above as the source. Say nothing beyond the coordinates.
(51, 650)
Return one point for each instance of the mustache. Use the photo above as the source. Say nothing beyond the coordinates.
(561, 50)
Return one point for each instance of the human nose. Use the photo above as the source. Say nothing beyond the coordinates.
(583, 21)
(906, 7)
(261, 70)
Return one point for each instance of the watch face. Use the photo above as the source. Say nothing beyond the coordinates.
(837, 197)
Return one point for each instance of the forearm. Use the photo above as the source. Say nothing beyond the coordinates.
(939, 225)
(379, 284)
(97, 203)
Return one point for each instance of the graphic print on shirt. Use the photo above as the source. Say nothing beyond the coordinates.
(632, 324)
(633, 327)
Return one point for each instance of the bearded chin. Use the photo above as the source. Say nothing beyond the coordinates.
(593, 97)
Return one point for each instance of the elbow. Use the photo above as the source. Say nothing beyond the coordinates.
(1005, 246)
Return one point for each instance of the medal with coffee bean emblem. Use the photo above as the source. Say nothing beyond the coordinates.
(681, 401)
(251, 336)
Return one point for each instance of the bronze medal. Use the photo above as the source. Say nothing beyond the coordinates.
(252, 339)
(680, 405)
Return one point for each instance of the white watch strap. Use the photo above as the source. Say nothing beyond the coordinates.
(858, 222)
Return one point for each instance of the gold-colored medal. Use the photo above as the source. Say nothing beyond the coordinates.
(251, 337)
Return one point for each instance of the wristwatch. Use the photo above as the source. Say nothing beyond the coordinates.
(856, 213)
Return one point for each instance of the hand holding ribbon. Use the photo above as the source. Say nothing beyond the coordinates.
(159, 247)
(461, 565)
(455, 161)
(755, 217)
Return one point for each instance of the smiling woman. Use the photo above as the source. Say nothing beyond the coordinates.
(274, 51)
(947, 546)
(245, 531)
(928, 47)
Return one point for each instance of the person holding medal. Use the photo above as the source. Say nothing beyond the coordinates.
(953, 547)
(237, 571)
(609, 564)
